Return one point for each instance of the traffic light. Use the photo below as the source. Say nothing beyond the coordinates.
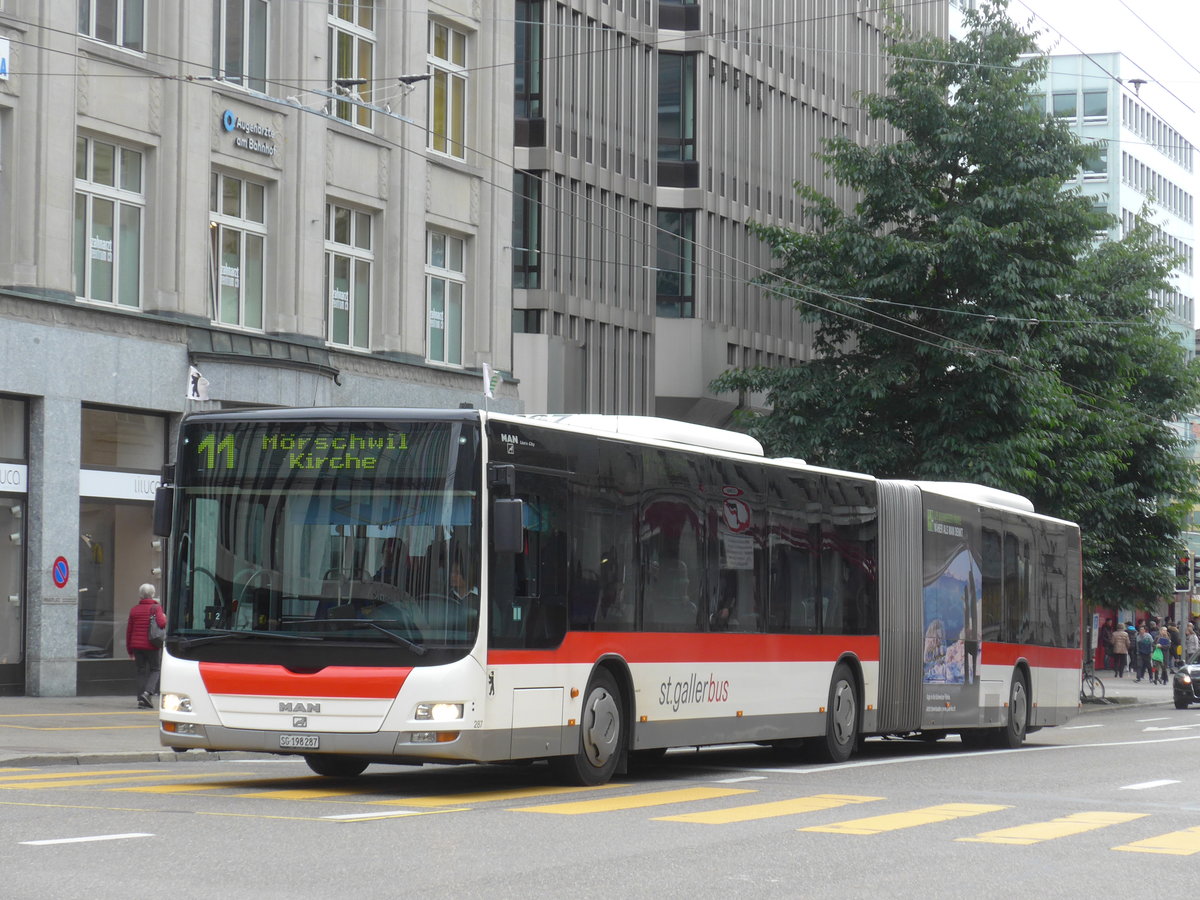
(1183, 573)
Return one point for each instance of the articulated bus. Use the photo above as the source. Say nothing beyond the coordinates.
(361, 586)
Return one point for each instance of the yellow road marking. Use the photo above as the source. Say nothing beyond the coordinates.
(78, 715)
(490, 796)
(1065, 826)
(307, 794)
(75, 727)
(635, 801)
(768, 810)
(1174, 843)
(201, 812)
(167, 788)
(41, 776)
(895, 821)
(56, 782)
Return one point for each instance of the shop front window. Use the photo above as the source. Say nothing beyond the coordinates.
(13, 506)
(122, 454)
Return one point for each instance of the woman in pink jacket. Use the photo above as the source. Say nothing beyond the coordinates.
(145, 655)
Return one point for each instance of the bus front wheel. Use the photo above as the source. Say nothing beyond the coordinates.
(336, 766)
(841, 717)
(601, 735)
(1012, 735)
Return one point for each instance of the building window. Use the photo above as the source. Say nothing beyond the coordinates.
(447, 90)
(1095, 105)
(239, 234)
(352, 57)
(1065, 105)
(1036, 104)
(1096, 164)
(445, 283)
(119, 22)
(108, 222)
(676, 263)
(528, 70)
(527, 232)
(240, 42)
(676, 107)
(348, 260)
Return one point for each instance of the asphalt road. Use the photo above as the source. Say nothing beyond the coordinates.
(1069, 815)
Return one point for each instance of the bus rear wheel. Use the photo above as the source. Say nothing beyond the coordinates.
(841, 718)
(601, 735)
(336, 766)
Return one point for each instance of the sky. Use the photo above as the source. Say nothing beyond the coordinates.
(1161, 37)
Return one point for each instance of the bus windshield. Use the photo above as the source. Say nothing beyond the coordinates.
(326, 533)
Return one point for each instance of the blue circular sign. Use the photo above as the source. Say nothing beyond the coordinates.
(229, 120)
(61, 572)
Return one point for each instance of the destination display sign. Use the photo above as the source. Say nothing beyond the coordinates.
(238, 452)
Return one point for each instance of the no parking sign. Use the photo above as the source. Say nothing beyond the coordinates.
(61, 572)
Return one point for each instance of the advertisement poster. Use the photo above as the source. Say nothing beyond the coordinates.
(952, 593)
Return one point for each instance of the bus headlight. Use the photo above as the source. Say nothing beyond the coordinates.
(439, 712)
(176, 703)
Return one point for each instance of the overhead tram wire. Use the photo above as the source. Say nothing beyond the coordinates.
(961, 346)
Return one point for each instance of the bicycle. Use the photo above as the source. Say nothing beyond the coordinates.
(1091, 689)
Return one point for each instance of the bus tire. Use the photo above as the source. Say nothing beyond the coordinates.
(601, 735)
(1012, 735)
(335, 766)
(841, 718)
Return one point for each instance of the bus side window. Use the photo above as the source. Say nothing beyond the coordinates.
(993, 596)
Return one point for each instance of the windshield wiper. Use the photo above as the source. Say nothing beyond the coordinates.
(228, 634)
(393, 636)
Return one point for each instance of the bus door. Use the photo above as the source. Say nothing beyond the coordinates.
(527, 610)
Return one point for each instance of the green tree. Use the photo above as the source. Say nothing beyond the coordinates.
(969, 326)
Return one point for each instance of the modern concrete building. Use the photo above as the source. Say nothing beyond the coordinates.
(258, 191)
(649, 135)
(1141, 163)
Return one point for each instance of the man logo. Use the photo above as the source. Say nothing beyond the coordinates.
(299, 721)
(299, 706)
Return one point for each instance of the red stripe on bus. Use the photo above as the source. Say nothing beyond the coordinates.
(332, 681)
(1039, 657)
(587, 646)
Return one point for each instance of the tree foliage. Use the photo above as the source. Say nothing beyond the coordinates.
(970, 326)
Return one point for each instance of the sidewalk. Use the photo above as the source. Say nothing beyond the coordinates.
(56, 731)
(63, 731)
(1126, 691)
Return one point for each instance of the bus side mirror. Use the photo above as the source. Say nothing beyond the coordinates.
(508, 526)
(164, 507)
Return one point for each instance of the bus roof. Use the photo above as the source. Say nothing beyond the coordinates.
(977, 493)
(669, 430)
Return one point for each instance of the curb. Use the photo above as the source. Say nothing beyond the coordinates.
(126, 756)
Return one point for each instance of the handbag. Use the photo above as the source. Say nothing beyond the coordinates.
(156, 634)
(1157, 655)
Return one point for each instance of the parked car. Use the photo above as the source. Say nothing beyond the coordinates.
(1187, 682)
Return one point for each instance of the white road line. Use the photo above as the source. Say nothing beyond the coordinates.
(736, 780)
(1078, 727)
(81, 840)
(1155, 719)
(969, 755)
(1146, 785)
(388, 815)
